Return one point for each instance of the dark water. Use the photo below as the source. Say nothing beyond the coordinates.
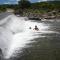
(44, 48)
(5, 14)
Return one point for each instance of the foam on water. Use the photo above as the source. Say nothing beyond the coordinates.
(20, 38)
(16, 33)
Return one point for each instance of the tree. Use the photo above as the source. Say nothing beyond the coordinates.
(23, 4)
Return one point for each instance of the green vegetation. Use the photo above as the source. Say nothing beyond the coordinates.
(2, 8)
(26, 8)
(24, 4)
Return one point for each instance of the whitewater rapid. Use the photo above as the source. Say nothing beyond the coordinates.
(15, 34)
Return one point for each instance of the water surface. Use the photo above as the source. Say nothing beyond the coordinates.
(22, 43)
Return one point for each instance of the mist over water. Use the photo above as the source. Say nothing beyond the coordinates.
(21, 34)
(15, 34)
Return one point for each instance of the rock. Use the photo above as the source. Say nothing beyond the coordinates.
(34, 18)
(1, 54)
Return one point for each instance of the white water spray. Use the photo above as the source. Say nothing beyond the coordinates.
(16, 33)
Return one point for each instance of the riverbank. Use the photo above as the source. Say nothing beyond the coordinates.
(54, 14)
(39, 10)
(36, 16)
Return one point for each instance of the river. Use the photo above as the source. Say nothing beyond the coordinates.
(18, 42)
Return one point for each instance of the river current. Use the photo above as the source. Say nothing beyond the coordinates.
(18, 42)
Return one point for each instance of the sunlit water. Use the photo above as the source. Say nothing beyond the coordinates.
(16, 35)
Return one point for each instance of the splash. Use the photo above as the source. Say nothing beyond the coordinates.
(18, 34)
